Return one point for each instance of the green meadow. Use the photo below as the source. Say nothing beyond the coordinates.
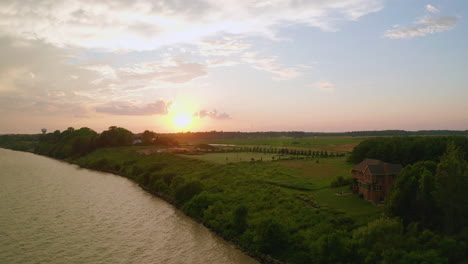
(344, 143)
(234, 157)
(302, 177)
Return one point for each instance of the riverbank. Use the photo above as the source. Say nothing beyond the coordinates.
(240, 201)
(54, 212)
(143, 171)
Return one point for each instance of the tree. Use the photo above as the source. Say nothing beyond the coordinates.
(147, 137)
(184, 193)
(240, 219)
(116, 137)
(380, 237)
(412, 195)
(452, 184)
(270, 237)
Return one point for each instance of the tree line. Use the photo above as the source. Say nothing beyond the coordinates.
(72, 143)
(188, 136)
(407, 150)
(289, 151)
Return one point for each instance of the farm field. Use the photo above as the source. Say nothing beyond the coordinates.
(234, 157)
(343, 144)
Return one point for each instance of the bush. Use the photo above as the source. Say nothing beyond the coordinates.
(341, 181)
(187, 191)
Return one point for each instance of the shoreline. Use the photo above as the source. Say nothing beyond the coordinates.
(261, 258)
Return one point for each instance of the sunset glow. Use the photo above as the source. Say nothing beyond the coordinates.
(342, 65)
(182, 121)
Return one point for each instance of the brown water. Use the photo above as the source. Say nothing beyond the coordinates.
(53, 212)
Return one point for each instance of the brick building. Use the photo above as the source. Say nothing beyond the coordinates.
(373, 178)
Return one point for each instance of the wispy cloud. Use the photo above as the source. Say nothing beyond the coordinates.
(147, 24)
(222, 47)
(432, 9)
(148, 74)
(324, 86)
(269, 64)
(214, 114)
(424, 26)
(159, 107)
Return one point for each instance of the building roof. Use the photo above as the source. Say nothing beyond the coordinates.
(378, 167)
(362, 166)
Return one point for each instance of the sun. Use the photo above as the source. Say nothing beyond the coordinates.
(182, 121)
(181, 116)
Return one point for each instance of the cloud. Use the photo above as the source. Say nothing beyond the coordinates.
(147, 24)
(424, 26)
(432, 9)
(37, 78)
(225, 46)
(220, 63)
(41, 79)
(324, 86)
(148, 74)
(212, 114)
(269, 64)
(174, 71)
(159, 107)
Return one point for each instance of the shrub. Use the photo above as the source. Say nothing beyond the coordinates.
(187, 191)
(341, 181)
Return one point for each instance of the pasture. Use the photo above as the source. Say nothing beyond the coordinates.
(234, 157)
(339, 144)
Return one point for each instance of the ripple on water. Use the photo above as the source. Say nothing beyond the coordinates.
(53, 212)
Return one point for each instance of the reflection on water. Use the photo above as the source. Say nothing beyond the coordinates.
(53, 212)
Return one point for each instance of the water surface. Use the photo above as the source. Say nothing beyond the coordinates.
(54, 212)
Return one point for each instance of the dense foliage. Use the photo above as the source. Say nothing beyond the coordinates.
(115, 137)
(69, 143)
(406, 150)
(19, 142)
(433, 195)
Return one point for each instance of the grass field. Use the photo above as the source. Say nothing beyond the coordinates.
(302, 178)
(342, 144)
(311, 179)
(234, 157)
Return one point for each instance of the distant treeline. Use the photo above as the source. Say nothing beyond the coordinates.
(72, 143)
(187, 136)
(290, 151)
(407, 150)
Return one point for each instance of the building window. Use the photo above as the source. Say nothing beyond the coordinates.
(377, 187)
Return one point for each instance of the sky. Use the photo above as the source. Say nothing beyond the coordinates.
(233, 65)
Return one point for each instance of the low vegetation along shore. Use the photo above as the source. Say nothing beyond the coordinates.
(293, 208)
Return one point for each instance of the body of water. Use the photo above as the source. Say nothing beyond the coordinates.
(54, 212)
